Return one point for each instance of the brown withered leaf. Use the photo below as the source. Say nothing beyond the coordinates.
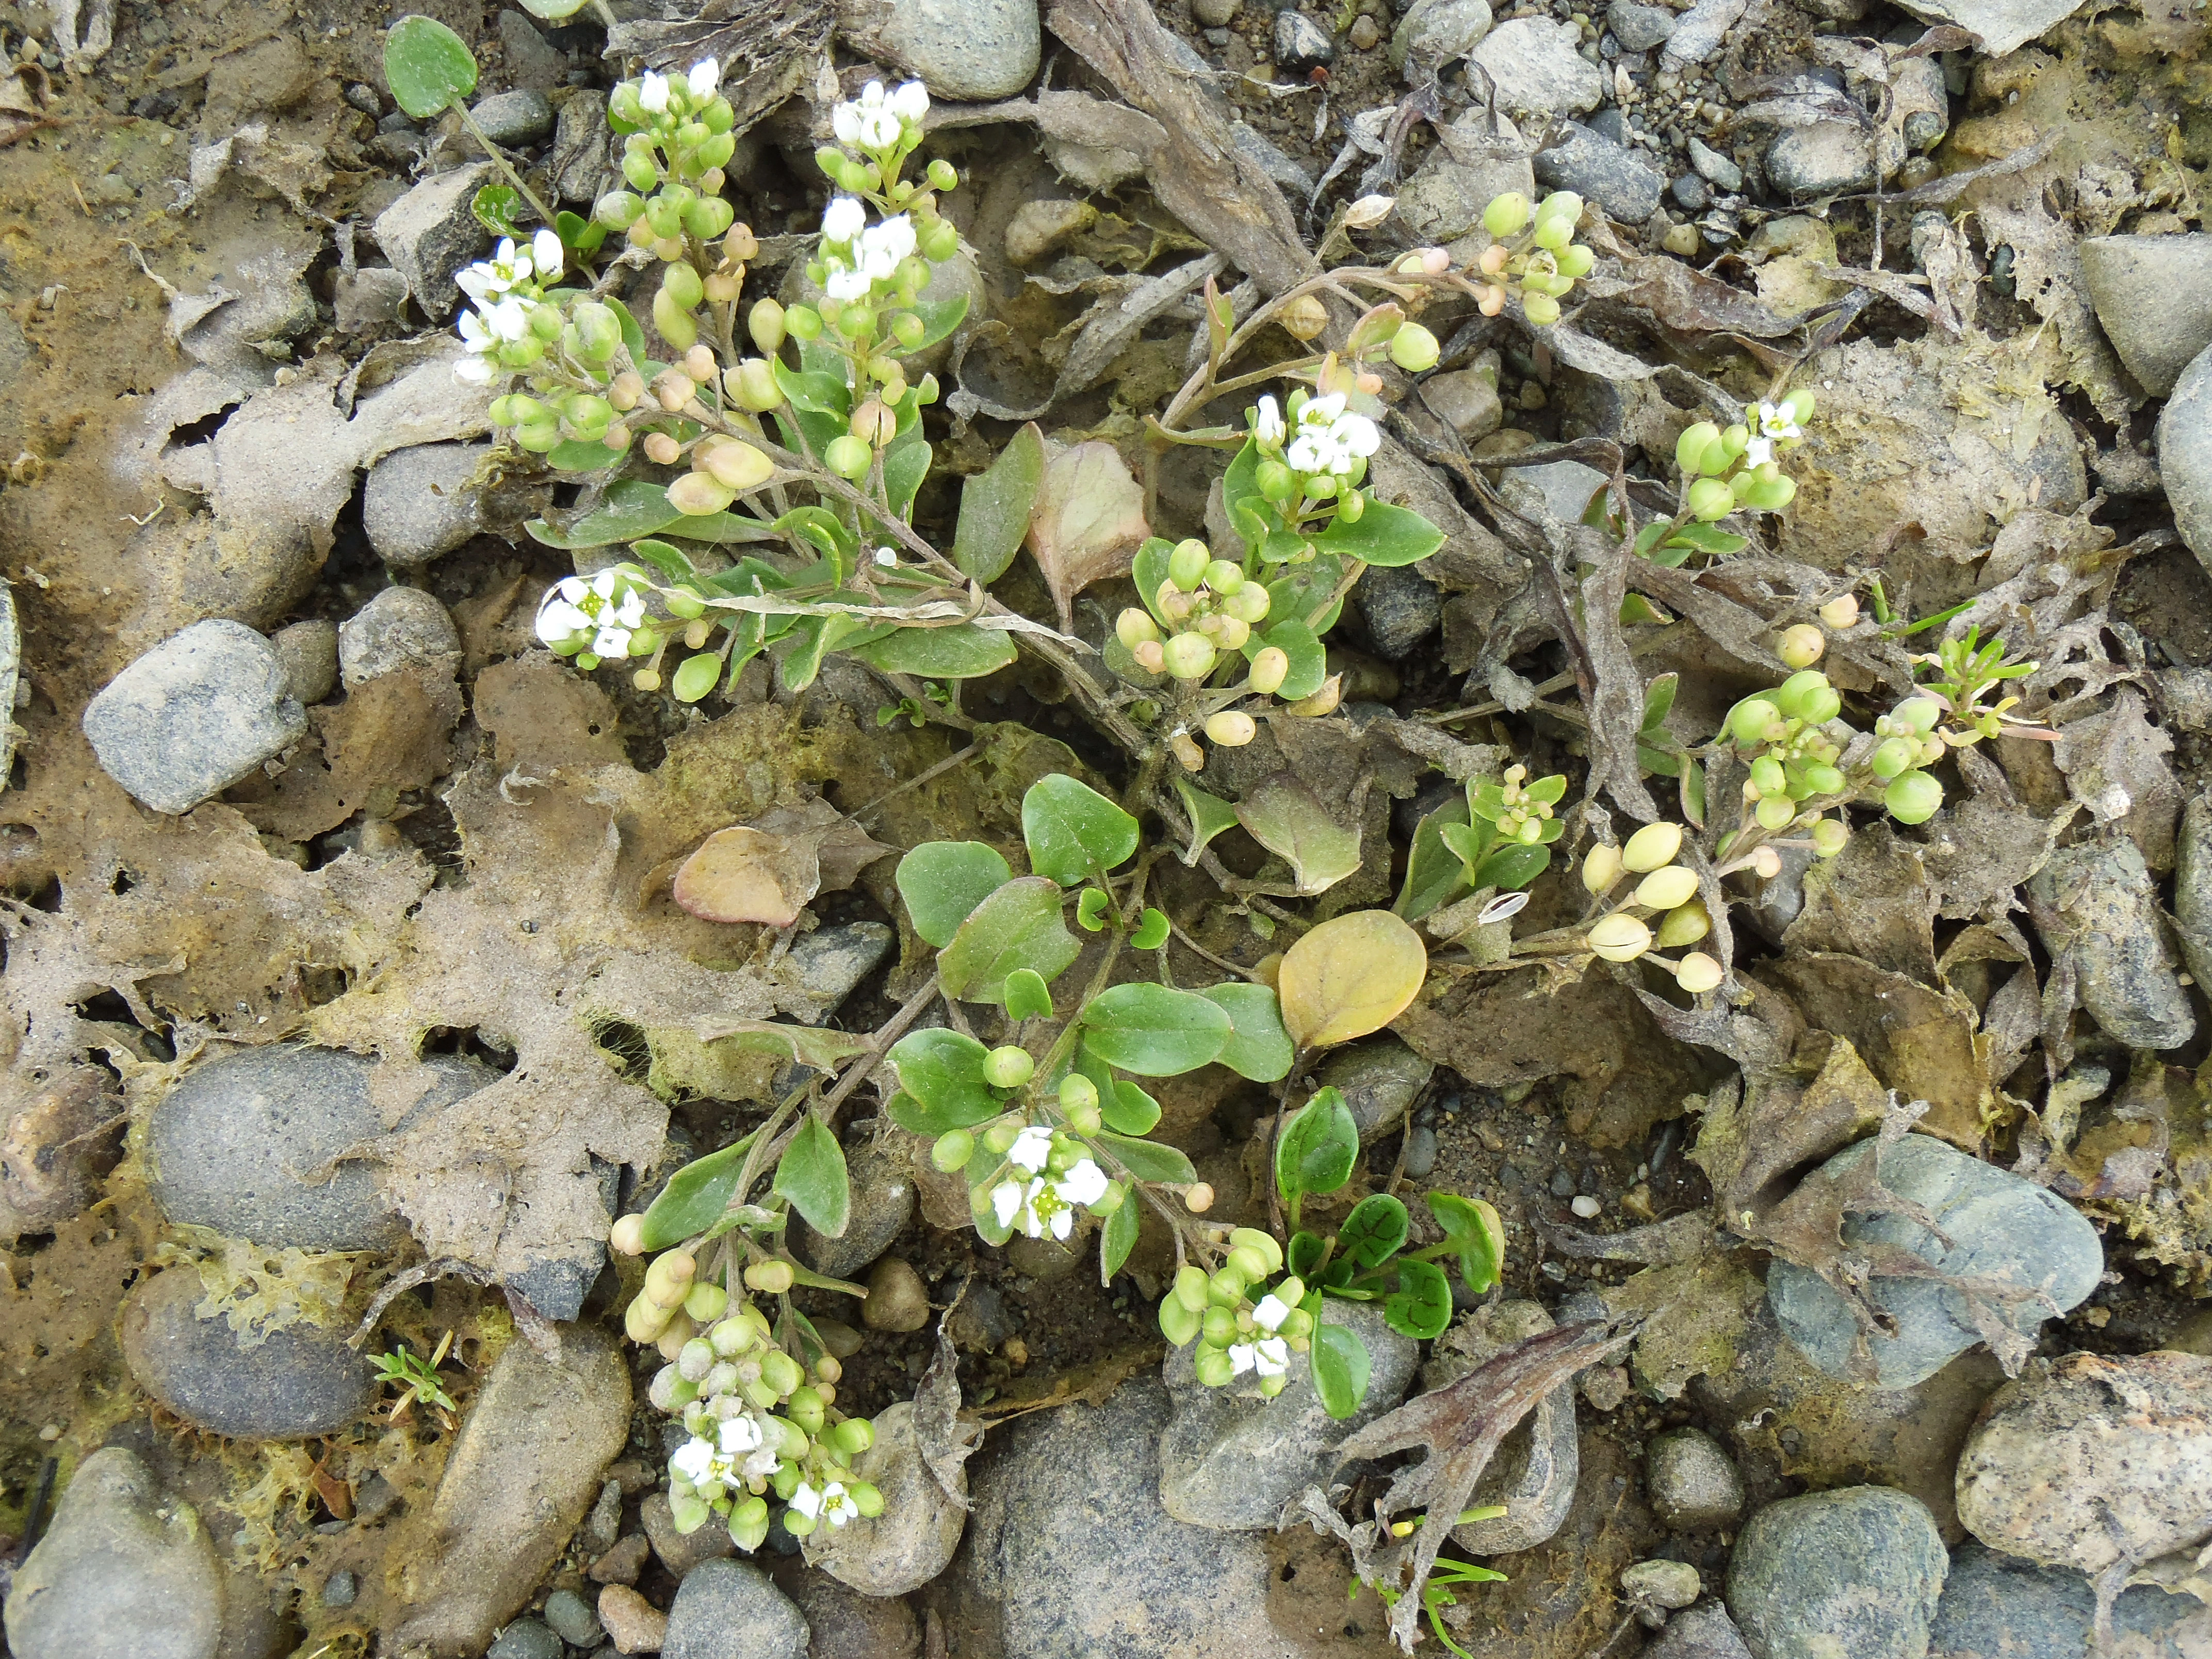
(1679, 298)
(1088, 521)
(2115, 764)
(1873, 901)
(1750, 1141)
(741, 874)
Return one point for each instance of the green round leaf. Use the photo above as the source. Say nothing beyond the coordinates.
(1318, 1148)
(1374, 1231)
(1017, 927)
(1028, 997)
(427, 65)
(1421, 1305)
(1072, 829)
(942, 1071)
(1154, 1032)
(1258, 1047)
(696, 677)
(943, 882)
(1341, 1368)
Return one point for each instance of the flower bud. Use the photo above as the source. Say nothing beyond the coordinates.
(1698, 973)
(1800, 646)
(1231, 728)
(626, 389)
(627, 1237)
(1304, 318)
(1652, 847)
(952, 1150)
(661, 449)
(1008, 1067)
(1269, 668)
(1414, 349)
(1601, 868)
(1664, 889)
(1841, 613)
(1198, 1197)
(1189, 656)
(1913, 798)
(1620, 937)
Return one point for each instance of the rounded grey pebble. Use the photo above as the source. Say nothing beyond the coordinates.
(399, 627)
(2185, 455)
(1563, 1183)
(296, 1382)
(1420, 1152)
(339, 1589)
(525, 1639)
(1690, 1481)
(1691, 193)
(309, 652)
(730, 1610)
(515, 118)
(1215, 13)
(1855, 1571)
(573, 1618)
(193, 715)
(1301, 42)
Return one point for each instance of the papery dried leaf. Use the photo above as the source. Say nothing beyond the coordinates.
(943, 1440)
(2116, 764)
(842, 847)
(741, 874)
(1088, 521)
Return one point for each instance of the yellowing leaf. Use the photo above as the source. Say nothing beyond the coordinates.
(741, 874)
(1088, 521)
(1352, 974)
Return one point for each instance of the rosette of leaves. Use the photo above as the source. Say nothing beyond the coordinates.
(1005, 940)
(1486, 841)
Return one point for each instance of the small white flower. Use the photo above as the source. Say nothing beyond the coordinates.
(507, 320)
(882, 247)
(1268, 424)
(610, 641)
(1269, 1313)
(1322, 412)
(806, 1500)
(1031, 1148)
(546, 253)
(1086, 1183)
(886, 556)
(740, 1434)
(1034, 1206)
(695, 1461)
(845, 123)
(875, 122)
(653, 93)
(705, 78)
(1269, 1356)
(1779, 421)
(843, 219)
(1758, 451)
(909, 103)
(837, 1504)
(1359, 435)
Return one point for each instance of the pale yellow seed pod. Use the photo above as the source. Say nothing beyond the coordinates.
(1685, 924)
(1802, 646)
(1323, 702)
(1767, 863)
(720, 286)
(1187, 752)
(1698, 973)
(1664, 889)
(1269, 666)
(680, 1330)
(1651, 846)
(627, 1236)
(1231, 728)
(739, 465)
(1620, 937)
(661, 449)
(701, 366)
(673, 389)
(668, 1280)
(1841, 613)
(644, 1320)
(1304, 318)
(1198, 1198)
(1601, 868)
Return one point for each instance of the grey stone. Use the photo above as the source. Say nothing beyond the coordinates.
(830, 962)
(2186, 700)
(1264, 154)
(241, 1145)
(883, 1203)
(1992, 1227)
(421, 502)
(1439, 32)
(1039, 228)
(732, 1610)
(1997, 1607)
(1400, 610)
(432, 231)
(1420, 1152)
(1825, 158)
(1918, 94)
(2088, 1461)
(1638, 28)
(1216, 14)
(309, 652)
(1467, 399)
(1535, 1468)
(1067, 1517)
(400, 628)
(2154, 297)
(843, 1624)
(913, 1540)
(1379, 1079)
(1691, 193)
(193, 715)
(572, 1618)
(266, 1384)
(2185, 455)
(340, 1589)
(2098, 902)
(1855, 1571)
(1300, 43)
(578, 165)
(1614, 176)
(1671, 1584)
(966, 50)
(1538, 69)
(125, 1572)
(1705, 1632)
(681, 1552)
(523, 1471)
(533, 61)
(1714, 167)
(525, 1639)
(1699, 31)
(1561, 489)
(2001, 26)
(367, 298)
(1231, 1460)
(1692, 1483)
(1445, 199)
(511, 119)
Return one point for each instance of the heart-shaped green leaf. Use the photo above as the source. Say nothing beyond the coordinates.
(1421, 1305)
(1340, 1368)
(942, 1072)
(1319, 1147)
(1150, 932)
(1028, 997)
(943, 882)
(427, 65)
(1017, 927)
(1476, 1232)
(1073, 830)
(1154, 1032)
(1374, 1231)
(1258, 1047)
(812, 1175)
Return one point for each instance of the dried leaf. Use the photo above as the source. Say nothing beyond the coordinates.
(2116, 764)
(944, 1441)
(748, 875)
(1088, 521)
(1288, 819)
(1352, 974)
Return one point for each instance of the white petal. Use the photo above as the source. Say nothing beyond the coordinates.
(572, 588)
(806, 1500)
(693, 1460)
(1271, 1356)
(611, 642)
(558, 621)
(631, 611)
(1759, 452)
(545, 252)
(474, 370)
(1031, 1148)
(846, 285)
(845, 123)
(1063, 1223)
(652, 91)
(872, 97)
(1359, 435)
(911, 100)
(706, 76)
(1240, 1358)
(740, 1434)
(1084, 1184)
(1269, 1313)
(1005, 1200)
(843, 219)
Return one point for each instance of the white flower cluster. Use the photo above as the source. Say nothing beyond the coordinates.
(1775, 423)
(1321, 437)
(700, 84)
(597, 617)
(742, 1456)
(1268, 1355)
(1039, 1205)
(505, 288)
(829, 1502)
(876, 119)
(859, 255)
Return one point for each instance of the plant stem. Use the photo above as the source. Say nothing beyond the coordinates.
(498, 159)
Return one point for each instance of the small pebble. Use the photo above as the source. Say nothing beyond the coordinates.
(1663, 1584)
(525, 1639)
(1586, 1206)
(636, 1625)
(1364, 35)
(339, 1591)
(572, 1618)
(1563, 1184)
(1420, 1152)
(1215, 13)
(1681, 239)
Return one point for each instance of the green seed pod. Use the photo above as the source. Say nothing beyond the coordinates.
(1077, 1093)
(803, 322)
(1775, 812)
(1414, 349)
(1576, 261)
(771, 1277)
(1767, 776)
(1212, 1367)
(1263, 1243)
(705, 1303)
(952, 1150)
(1189, 656)
(1187, 564)
(644, 1320)
(696, 1359)
(1823, 779)
(1000, 1136)
(708, 217)
(618, 209)
(1507, 214)
(1554, 235)
(1748, 721)
(1219, 1326)
(856, 322)
(943, 175)
(1685, 924)
(639, 168)
(1270, 666)
(1224, 577)
(1830, 837)
(853, 1436)
(865, 1498)
(752, 384)
(1008, 1067)
(781, 1372)
(1226, 1288)
(1249, 605)
(805, 1408)
(1691, 447)
(1178, 1324)
(683, 286)
(1560, 204)
(1801, 404)
(749, 1524)
(1250, 1264)
(678, 327)
(847, 457)
(939, 241)
(1709, 499)
(1350, 507)
(732, 1337)
(1913, 798)
(1664, 889)
(1191, 1287)
(1541, 309)
(1652, 847)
